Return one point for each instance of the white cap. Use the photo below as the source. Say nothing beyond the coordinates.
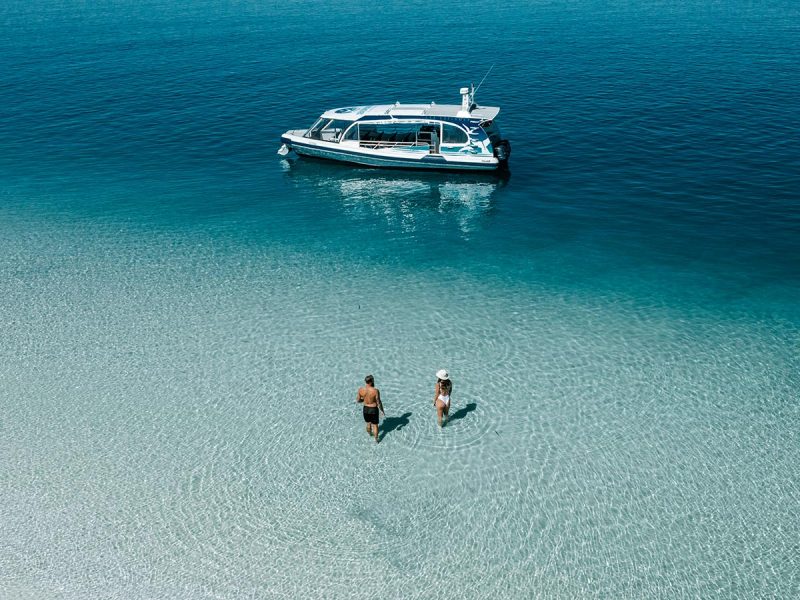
(442, 374)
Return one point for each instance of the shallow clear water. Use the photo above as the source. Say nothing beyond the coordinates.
(187, 316)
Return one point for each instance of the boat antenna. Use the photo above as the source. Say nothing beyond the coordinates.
(482, 80)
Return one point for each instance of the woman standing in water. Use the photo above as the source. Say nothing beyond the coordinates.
(441, 395)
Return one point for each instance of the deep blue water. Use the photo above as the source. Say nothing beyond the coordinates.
(662, 134)
(646, 245)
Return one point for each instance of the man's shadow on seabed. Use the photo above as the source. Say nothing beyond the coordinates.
(391, 423)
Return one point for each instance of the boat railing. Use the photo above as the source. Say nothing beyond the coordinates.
(375, 144)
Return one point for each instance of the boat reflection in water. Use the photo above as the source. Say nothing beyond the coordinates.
(407, 201)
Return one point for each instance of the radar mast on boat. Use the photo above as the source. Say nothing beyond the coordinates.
(467, 100)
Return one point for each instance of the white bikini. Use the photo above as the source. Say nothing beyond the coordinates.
(444, 395)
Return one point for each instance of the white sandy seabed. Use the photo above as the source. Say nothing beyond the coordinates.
(178, 422)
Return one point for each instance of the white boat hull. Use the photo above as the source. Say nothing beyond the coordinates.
(388, 158)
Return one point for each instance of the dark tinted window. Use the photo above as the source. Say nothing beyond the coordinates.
(492, 130)
(395, 132)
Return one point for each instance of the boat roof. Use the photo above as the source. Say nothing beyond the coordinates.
(389, 111)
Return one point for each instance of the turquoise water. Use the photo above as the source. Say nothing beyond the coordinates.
(186, 316)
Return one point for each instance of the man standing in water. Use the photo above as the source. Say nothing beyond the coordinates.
(371, 397)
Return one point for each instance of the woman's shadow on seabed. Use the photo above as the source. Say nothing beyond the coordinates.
(462, 412)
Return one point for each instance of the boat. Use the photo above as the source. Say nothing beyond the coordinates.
(431, 136)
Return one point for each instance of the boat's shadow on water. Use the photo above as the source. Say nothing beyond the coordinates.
(401, 197)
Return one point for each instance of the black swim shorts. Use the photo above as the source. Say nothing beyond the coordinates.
(371, 414)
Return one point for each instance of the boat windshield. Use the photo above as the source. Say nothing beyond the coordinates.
(329, 130)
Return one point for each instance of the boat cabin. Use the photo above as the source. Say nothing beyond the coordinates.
(412, 127)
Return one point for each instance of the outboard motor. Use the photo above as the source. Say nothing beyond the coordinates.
(502, 150)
